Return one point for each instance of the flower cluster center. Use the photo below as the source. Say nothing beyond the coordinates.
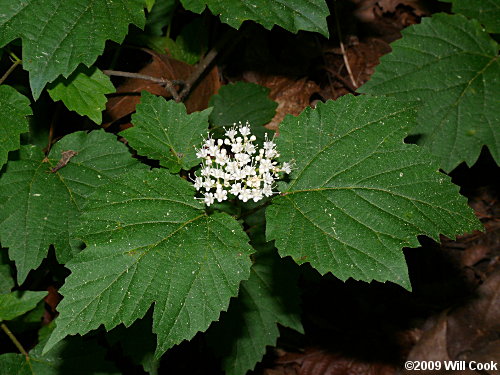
(236, 167)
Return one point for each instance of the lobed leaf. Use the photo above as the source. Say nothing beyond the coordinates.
(13, 121)
(149, 242)
(39, 208)
(83, 92)
(17, 303)
(58, 35)
(268, 297)
(451, 65)
(358, 193)
(292, 15)
(164, 131)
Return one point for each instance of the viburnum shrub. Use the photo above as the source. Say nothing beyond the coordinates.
(198, 222)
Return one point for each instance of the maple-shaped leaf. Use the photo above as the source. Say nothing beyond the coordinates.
(358, 194)
(164, 131)
(451, 65)
(41, 198)
(58, 35)
(309, 15)
(268, 297)
(486, 12)
(150, 242)
(74, 355)
(16, 303)
(13, 122)
(83, 92)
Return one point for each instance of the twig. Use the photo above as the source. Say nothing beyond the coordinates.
(10, 70)
(162, 81)
(200, 68)
(207, 61)
(346, 83)
(53, 123)
(344, 55)
(14, 340)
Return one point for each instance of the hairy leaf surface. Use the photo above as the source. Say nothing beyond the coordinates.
(58, 35)
(13, 122)
(149, 241)
(451, 65)
(17, 303)
(292, 15)
(268, 297)
(358, 194)
(164, 131)
(83, 92)
(39, 208)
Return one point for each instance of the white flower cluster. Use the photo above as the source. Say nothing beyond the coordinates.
(235, 166)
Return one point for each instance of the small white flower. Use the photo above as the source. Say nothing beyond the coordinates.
(256, 195)
(220, 195)
(209, 199)
(265, 165)
(245, 194)
(198, 182)
(267, 191)
(245, 130)
(235, 189)
(231, 133)
(287, 168)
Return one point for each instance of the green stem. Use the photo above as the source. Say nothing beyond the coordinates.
(14, 57)
(10, 70)
(155, 364)
(14, 340)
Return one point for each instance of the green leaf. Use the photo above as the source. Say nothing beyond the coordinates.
(83, 92)
(150, 4)
(72, 356)
(149, 241)
(268, 297)
(6, 279)
(160, 16)
(15, 107)
(242, 102)
(164, 131)
(39, 208)
(17, 303)
(451, 65)
(358, 194)
(487, 12)
(292, 15)
(12, 363)
(190, 44)
(58, 35)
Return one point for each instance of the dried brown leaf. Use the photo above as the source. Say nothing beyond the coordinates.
(161, 66)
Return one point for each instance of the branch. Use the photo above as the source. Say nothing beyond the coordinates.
(169, 84)
(208, 59)
(14, 340)
(344, 55)
(10, 70)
